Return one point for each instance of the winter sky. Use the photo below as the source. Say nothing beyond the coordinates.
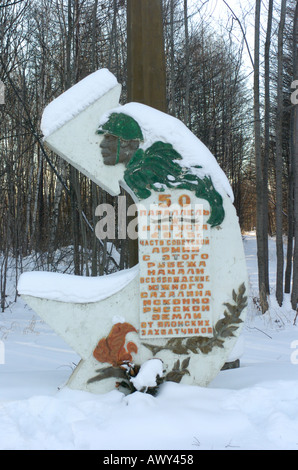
(217, 14)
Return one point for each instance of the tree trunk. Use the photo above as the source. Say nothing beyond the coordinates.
(259, 169)
(172, 103)
(294, 296)
(291, 182)
(267, 143)
(187, 68)
(279, 162)
(75, 221)
(113, 40)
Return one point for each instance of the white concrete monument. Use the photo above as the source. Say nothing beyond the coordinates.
(184, 304)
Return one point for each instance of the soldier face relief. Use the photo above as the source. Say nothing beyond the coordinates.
(116, 150)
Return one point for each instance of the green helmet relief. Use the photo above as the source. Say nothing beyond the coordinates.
(122, 126)
(149, 169)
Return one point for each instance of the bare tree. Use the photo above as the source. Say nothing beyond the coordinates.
(187, 65)
(279, 161)
(265, 154)
(259, 168)
(294, 295)
(291, 178)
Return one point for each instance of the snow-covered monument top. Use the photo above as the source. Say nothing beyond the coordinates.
(185, 302)
(79, 106)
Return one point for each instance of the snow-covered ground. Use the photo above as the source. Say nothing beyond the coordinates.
(253, 407)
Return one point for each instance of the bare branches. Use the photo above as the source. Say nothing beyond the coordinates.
(13, 3)
(242, 30)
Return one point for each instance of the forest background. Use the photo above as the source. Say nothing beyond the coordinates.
(234, 94)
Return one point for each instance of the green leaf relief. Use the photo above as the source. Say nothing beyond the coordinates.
(150, 170)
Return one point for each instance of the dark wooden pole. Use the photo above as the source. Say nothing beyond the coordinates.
(146, 74)
(146, 71)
